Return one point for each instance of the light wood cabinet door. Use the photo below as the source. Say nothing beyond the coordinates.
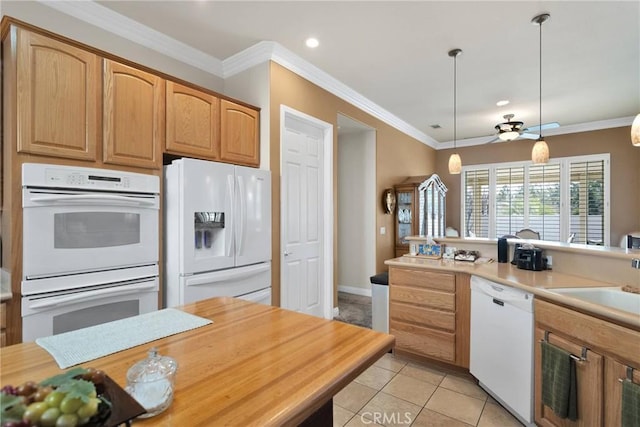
(193, 122)
(239, 134)
(614, 373)
(589, 374)
(58, 102)
(133, 116)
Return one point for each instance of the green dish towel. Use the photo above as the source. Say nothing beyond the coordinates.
(559, 383)
(630, 404)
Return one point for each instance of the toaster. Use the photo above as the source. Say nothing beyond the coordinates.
(530, 259)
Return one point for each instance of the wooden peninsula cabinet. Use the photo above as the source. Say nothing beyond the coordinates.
(608, 353)
(193, 122)
(133, 118)
(429, 314)
(239, 134)
(57, 95)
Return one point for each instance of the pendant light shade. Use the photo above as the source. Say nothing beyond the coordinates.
(635, 131)
(540, 152)
(455, 163)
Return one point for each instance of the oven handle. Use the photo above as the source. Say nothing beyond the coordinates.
(91, 295)
(84, 198)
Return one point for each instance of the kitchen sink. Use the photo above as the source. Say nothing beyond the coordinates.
(611, 297)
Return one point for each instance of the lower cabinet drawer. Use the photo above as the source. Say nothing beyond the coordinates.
(424, 316)
(424, 341)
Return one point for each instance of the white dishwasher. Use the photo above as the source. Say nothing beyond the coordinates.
(502, 345)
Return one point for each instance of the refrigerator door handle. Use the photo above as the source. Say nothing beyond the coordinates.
(227, 275)
(243, 215)
(230, 230)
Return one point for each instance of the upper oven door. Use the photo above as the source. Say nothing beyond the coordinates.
(68, 231)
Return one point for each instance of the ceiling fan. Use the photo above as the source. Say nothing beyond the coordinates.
(513, 129)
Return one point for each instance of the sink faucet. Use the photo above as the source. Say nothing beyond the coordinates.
(635, 263)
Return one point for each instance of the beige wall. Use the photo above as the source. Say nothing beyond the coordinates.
(625, 170)
(397, 156)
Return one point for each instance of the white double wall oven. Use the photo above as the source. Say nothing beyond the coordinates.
(90, 247)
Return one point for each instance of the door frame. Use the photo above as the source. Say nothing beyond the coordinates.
(287, 112)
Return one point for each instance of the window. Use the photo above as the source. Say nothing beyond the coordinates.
(567, 196)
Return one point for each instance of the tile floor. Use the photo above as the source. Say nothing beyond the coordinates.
(394, 392)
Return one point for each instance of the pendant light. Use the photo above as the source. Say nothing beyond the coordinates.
(635, 131)
(455, 163)
(540, 152)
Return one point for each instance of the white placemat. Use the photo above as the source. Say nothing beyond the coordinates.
(82, 345)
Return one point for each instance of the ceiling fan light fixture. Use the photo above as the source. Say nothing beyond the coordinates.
(508, 135)
(455, 164)
(635, 131)
(540, 152)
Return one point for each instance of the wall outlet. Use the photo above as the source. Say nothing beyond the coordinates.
(549, 261)
(383, 230)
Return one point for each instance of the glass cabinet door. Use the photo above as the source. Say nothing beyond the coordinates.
(404, 216)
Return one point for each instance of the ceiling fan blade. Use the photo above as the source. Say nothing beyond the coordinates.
(538, 128)
(529, 135)
(495, 139)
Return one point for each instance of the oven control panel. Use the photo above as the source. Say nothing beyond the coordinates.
(41, 175)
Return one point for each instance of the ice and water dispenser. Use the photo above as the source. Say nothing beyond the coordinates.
(209, 231)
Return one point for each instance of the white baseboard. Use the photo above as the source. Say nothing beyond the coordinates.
(355, 290)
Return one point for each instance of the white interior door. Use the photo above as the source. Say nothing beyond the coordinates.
(306, 280)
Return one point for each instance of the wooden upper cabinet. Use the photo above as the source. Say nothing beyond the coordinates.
(133, 116)
(58, 97)
(193, 122)
(240, 137)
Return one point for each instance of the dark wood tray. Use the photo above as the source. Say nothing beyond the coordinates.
(124, 408)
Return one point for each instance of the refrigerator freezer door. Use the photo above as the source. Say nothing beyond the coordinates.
(226, 283)
(206, 200)
(253, 214)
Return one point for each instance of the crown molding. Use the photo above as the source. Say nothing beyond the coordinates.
(562, 130)
(269, 50)
(113, 22)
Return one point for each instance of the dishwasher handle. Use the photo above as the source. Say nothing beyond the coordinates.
(502, 293)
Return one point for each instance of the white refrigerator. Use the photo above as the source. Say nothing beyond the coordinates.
(217, 232)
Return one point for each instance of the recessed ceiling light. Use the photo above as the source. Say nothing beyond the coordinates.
(502, 102)
(312, 42)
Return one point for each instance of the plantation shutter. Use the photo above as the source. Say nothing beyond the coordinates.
(587, 195)
(544, 200)
(509, 200)
(476, 204)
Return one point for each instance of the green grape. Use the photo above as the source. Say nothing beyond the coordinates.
(88, 409)
(34, 412)
(49, 417)
(70, 405)
(67, 420)
(54, 398)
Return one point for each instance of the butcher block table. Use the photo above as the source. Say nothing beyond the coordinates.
(254, 365)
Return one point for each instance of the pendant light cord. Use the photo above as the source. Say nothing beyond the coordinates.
(455, 79)
(540, 124)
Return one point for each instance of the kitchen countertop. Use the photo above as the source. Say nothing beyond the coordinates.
(255, 365)
(540, 283)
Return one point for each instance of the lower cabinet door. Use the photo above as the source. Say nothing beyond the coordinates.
(589, 375)
(614, 373)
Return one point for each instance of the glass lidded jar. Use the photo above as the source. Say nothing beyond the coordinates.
(150, 382)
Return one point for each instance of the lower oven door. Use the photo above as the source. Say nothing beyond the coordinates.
(57, 312)
(68, 232)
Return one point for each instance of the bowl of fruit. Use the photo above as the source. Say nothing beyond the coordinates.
(79, 397)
